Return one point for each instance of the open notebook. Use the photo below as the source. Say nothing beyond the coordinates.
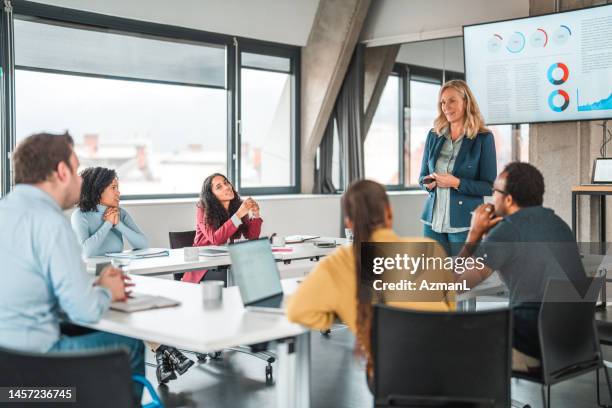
(140, 301)
(139, 253)
(213, 250)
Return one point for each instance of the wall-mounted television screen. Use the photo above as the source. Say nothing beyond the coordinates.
(554, 67)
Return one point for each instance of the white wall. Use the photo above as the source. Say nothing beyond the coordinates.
(285, 215)
(400, 21)
(280, 21)
(446, 54)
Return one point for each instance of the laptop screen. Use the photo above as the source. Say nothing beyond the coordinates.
(255, 271)
(602, 171)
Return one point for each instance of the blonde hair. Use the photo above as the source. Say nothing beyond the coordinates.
(473, 121)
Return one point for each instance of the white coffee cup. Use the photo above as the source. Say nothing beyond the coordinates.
(191, 254)
(278, 241)
(212, 292)
(212, 289)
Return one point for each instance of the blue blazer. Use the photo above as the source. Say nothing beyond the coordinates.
(475, 166)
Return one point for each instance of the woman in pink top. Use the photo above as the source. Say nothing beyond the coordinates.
(221, 217)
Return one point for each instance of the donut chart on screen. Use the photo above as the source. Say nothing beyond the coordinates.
(552, 101)
(554, 69)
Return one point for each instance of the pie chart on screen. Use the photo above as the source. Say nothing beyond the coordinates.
(558, 100)
(558, 73)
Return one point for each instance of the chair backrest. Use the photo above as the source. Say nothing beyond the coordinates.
(568, 335)
(101, 378)
(181, 239)
(424, 359)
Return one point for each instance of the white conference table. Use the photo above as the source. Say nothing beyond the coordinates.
(175, 262)
(492, 286)
(204, 328)
(196, 327)
(207, 328)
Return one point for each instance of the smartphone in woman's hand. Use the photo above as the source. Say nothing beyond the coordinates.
(428, 180)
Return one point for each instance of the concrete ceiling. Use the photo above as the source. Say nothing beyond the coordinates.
(282, 21)
(401, 21)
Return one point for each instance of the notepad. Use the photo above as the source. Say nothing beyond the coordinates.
(282, 249)
(139, 253)
(140, 301)
(213, 250)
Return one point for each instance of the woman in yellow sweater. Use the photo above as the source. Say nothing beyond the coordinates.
(331, 289)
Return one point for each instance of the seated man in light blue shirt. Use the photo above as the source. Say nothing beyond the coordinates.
(42, 274)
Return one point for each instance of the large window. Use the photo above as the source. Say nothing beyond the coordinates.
(416, 114)
(267, 151)
(423, 112)
(156, 147)
(383, 140)
(164, 106)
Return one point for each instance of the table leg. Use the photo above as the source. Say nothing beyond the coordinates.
(303, 370)
(467, 305)
(574, 197)
(604, 292)
(293, 378)
(230, 277)
(602, 220)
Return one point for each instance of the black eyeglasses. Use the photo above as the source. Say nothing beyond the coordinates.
(502, 192)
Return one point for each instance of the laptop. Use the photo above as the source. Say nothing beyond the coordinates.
(254, 270)
(602, 171)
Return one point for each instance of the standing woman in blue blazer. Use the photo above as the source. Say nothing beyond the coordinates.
(458, 168)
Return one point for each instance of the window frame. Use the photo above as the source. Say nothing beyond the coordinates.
(275, 50)
(32, 11)
(400, 72)
(407, 73)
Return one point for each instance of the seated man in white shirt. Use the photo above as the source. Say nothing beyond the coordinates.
(42, 272)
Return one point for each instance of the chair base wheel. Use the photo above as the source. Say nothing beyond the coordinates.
(269, 375)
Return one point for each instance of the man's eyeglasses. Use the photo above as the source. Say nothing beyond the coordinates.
(502, 192)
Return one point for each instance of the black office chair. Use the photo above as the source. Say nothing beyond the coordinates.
(568, 336)
(182, 239)
(604, 332)
(428, 359)
(100, 378)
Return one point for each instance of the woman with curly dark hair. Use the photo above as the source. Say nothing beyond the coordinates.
(100, 226)
(222, 217)
(99, 223)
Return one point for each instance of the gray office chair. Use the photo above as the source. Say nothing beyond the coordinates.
(568, 336)
(87, 371)
(181, 239)
(429, 359)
